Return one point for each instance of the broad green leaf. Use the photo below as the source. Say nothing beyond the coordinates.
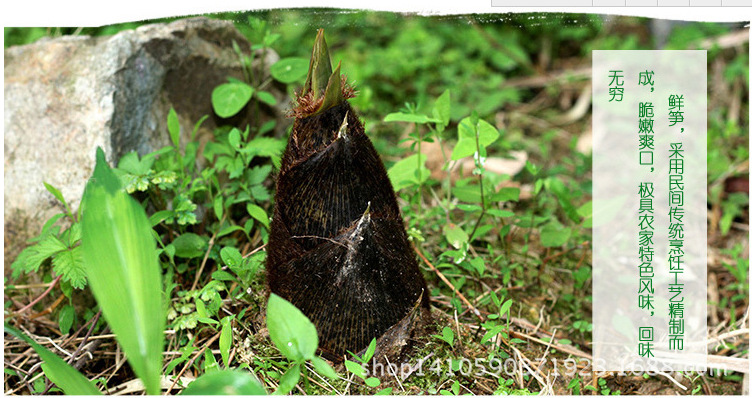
(259, 192)
(169, 250)
(493, 331)
(225, 340)
(469, 208)
(506, 194)
(173, 127)
(505, 307)
(160, 216)
(54, 191)
(370, 351)
(124, 273)
(266, 98)
(218, 209)
(267, 147)
(225, 382)
(409, 117)
(49, 246)
(258, 213)
(466, 132)
(186, 352)
(409, 171)
(222, 276)
(495, 299)
(70, 264)
(70, 380)
(500, 213)
(442, 110)
(290, 330)
(236, 167)
(356, 369)
(197, 126)
(210, 362)
(586, 212)
(65, 318)
(267, 127)
(32, 257)
(258, 174)
(323, 367)
(208, 321)
(231, 256)
(131, 164)
(229, 229)
(563, 194)
(532, 168)
(554, 234)
(57, 194)
(201, 308)
(470, 193)
(538, 186)
(372, 382)
(248, 226)
(288, 380)
(254, 263)
(229, 98)
(189, 245)
(732, 207)
(47, 227)
(477, 262)
(455, 235)
(456, 388)
(234, 138)
(447, 335)
(289, 70)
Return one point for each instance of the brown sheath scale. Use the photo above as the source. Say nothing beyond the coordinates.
(337, 248)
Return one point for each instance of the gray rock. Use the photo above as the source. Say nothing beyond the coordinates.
(66, 96)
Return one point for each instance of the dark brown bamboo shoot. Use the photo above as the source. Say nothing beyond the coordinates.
(338, 249)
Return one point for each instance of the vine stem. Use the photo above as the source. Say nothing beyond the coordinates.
(45, 293)
(532, 223)
(420, 174)
(479, 166)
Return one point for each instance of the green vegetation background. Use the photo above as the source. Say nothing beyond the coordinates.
(518, 248)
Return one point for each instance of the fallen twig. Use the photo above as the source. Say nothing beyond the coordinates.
(190, 363)
(252, 252)
(454, 289)
(48, 309)
(563, 348)
(727, 335)
(394, 373)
